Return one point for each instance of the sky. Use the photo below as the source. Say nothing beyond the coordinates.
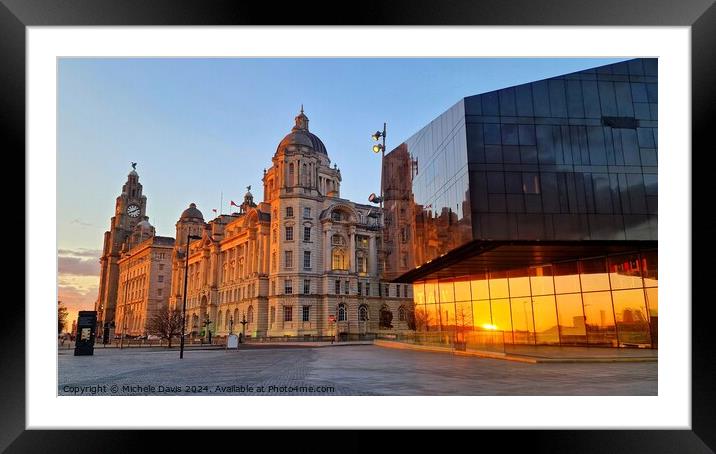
(200, 128)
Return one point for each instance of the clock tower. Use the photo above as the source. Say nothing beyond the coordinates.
(130, 208)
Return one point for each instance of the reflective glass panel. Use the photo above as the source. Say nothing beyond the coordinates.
(463, 316)
(430, 291)
(545, 319)
(632, 318)
(481, 315)
(541, 280)
(522, 323)
(447, 316)
(624, 271)
(650, 268)
(502, 319)
(593, 274)
(462, 290)
(419, 293)
(480, 289)
(572, 329)
(446, 292)
(519, 283)
(600, 319)
(432, 319)
(566, 277)
(498, 285)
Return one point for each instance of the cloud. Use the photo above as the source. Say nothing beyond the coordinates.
(81, 222)
(80, 252)
(78, 266)
(80, 262)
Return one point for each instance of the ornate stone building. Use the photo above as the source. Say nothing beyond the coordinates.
(293, 263)
(130, 208)
(135, 266)
(144, 276)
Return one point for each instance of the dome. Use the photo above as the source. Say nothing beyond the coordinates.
(192, 212)
(300, 135)
(143, 225)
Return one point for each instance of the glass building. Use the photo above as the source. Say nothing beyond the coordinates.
(532, 211)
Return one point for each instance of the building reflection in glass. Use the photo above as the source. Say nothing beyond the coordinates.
(605, 301)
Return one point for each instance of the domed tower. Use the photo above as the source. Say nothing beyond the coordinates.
(191, 222)
(142, 231)
(301, 165)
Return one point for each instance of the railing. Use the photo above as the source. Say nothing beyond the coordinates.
(491, 341)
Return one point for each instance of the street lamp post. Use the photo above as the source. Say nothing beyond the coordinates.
(380, 148)
(243, 326)
(376, 148)
(183, 310)
(207, 331)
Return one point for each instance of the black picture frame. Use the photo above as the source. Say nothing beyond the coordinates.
(700, 15)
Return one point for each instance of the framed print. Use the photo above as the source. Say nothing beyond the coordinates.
(495, 266)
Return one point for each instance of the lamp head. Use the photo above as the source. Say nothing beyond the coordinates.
(377, 135)
(377, 148)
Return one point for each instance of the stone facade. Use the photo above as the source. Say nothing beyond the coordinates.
(144, 276)
(292, 263)
(135, 266)
(130, 209)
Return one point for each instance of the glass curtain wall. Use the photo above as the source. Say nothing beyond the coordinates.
(606, 301)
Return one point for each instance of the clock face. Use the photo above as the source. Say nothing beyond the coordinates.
(133, 211)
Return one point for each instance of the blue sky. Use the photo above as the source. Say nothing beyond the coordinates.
(197, 127)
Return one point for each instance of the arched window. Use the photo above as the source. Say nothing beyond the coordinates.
(342, 313)
(250, 315)
(339, 259)
(401, 313)
(291, 174)
(336, 215)
(219, 320)
(363, 313)
(236, 315)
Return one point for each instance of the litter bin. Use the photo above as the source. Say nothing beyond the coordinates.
(86, 332)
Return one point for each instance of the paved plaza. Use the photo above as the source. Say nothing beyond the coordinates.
(356, 370)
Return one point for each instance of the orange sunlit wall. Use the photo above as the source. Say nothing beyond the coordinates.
(607, 301)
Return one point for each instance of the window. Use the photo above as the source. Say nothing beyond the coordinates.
(342, 313)
(306, 260)
(289, 233)
(289, 212)
(363, 313)
(307, 213)
(387, 290)
(159, 291)
(367, 289)
(273, 287)
(338, 288)
(336, 216)
(337, 240)
(306, 286)
(161, 267)
(273, 314)
(250, 314)
(287, 314)
(361, 262)
(160, 278)
(405, 291)
(360, 288)
(401, 313)
(288, 259)
(339, 259)
(306, 313)
(306, 234)
(397, 290)
(347, 287)
(288, 287)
